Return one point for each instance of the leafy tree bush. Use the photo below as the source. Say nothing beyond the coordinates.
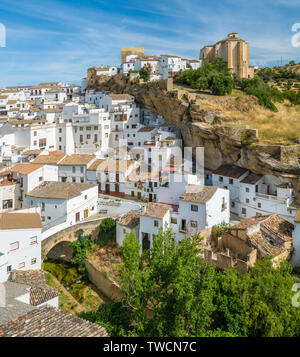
(107, 231)
(114, 317)
(107, 225)
(81, 247)
(212, 76)
(145, 72)
(187, 298)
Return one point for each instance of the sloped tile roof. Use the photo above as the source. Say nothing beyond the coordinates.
(48, 321)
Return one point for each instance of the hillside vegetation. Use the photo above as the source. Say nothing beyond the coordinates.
(276, 112)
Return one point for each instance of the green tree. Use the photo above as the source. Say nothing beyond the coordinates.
(145, 72)
(81, 247)
(169, 282)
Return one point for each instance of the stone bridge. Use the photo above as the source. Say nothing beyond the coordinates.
(68, 235)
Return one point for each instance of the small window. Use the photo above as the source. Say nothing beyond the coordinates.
(40, 178)
(231, 181)
(14, 246)
(247, 189)
(22, 265)
(194, 208)
(73, 179)
(85, 197)
(244, 210)
(173, 220)
(33, 261)
(81, 169)
(155, 223)
(9, 268)
(259, 205)
(220, 179)
(124, 231)
(232, 204)
(247, 200)
(194, 224)
(49, 218)
(33, 240)
(73, 169)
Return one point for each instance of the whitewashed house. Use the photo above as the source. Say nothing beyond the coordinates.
(155, 216)
(261, 195)
(107, 71)
(130, 221)
(64, 202)
(74, 168)
(171, 65)
(201, 207)
(20, 242)
(30, 176)
(229, 177)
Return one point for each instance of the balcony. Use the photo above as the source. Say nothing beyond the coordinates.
(271, 198)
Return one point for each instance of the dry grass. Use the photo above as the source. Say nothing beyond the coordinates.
(272, 127)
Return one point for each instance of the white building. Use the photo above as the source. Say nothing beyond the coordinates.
(64, 202)
(74, 168)
(200, 207)
(127, 223)
(171, 65)
(20, 242)
(106, 71)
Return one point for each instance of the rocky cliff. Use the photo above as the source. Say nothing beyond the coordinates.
(203, 124)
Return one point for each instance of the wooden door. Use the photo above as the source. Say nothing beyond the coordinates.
(86, 213)
(139, 195)
(77, 216)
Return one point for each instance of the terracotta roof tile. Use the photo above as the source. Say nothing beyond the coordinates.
(48, 321)
(77, 159)
(25, 169)
(230, 171)
(59, 190)
(199, 194)
(52, 158)
(131, 219)
(156, 210)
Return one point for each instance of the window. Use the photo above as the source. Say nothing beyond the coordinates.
(155, 223)
(88, 136)
(247, 189)
(231, 181)
(43, 218)
(81, 169)
(33, 240)
(194, 224)
(14, 246)
(73, 179)
(9, 268)
(73, 169)
(259, 205)
(81, 128)
(60, 130)
(244, 210)
(220, 179)
(173, 220)
(232, 204)
(194, 208)
(6, 204)
(43, 206)
(85, 197)
(40, 178)
(81, 179)
(95, 127)
(34, 133)
(49, 218)
(22, 265)
(247, 200)
(60, 139)
(33, 261)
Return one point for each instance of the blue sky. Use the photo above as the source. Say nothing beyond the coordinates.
(54, 40)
